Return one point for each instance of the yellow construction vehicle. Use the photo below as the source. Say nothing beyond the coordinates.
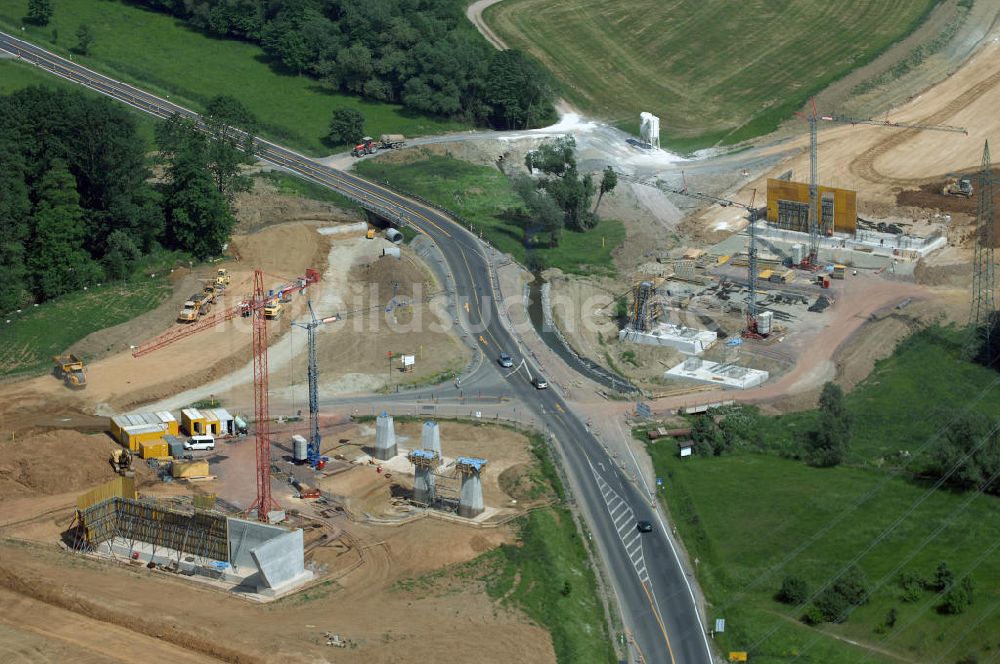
(273, 309)
(370, 234)
(197, 305)
(958, 187)
(70, 368)
(121, 461)
(222, 277)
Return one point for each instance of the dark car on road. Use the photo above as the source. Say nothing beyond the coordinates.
(644, 527)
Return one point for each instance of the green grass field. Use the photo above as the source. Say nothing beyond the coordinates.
(715, 71)
(751, 518)
(482, 195)
(16, 75)
(291, 185)
(158, 53)
(907, 398)
(31, 338)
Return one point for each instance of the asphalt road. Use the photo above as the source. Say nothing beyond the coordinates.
(656, 600)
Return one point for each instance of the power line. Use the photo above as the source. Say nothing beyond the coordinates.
(844, 514)
(913, 553)
(885, 533)
(984, 275)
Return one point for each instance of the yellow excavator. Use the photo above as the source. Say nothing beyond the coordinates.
(121, 461)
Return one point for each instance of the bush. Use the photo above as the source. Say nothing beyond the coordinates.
(832, 606)
(943, 577)
(958, 598)
(813, 616)
(912, 585)
(794, 590)
(852, 586)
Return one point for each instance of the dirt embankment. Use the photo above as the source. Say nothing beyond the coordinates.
(265, 206)
(929, 195)
(54, 462)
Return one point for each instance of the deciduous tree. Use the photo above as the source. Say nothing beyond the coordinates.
(347, 126)
(232, 128)
(39, 12)
(84, 39)
(609, 180)
(827, 444)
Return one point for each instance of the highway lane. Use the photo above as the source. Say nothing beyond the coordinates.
(649, 580)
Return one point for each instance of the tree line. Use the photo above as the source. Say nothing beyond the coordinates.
(78, 203)
(422, 54)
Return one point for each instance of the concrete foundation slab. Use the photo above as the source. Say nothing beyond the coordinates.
(714, 373)
(687, 340)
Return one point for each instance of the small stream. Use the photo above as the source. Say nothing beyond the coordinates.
(537, 294)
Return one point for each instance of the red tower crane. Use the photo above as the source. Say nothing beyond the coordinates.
(254, 307)
(262, 417)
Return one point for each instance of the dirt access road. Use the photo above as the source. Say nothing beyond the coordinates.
(474, 13)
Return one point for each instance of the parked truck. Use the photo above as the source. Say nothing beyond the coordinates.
(195, 306)
(391, 141)
(273, 309)
(70, 368)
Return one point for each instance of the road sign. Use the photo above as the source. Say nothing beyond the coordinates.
(720, 625)
(642, 409)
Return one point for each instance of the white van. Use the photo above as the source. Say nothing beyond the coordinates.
(200, 443)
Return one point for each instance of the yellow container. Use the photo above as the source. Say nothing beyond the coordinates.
(154, 449)
(197, 468)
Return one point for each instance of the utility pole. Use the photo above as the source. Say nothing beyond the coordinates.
(984, 276)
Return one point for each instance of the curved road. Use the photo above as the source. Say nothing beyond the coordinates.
(653, 592)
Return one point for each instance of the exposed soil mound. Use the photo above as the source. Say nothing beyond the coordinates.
(54, 462)
(929, 196)
(522, 484)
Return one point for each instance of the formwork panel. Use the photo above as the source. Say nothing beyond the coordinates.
(199, 533)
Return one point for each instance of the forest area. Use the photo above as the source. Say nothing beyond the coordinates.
(420, 53)
(78, 201)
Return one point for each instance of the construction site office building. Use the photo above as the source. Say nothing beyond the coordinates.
(219, 421)
(136, 428)
(154, 449)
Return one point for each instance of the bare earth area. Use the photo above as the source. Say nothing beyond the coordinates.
(372, 585)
